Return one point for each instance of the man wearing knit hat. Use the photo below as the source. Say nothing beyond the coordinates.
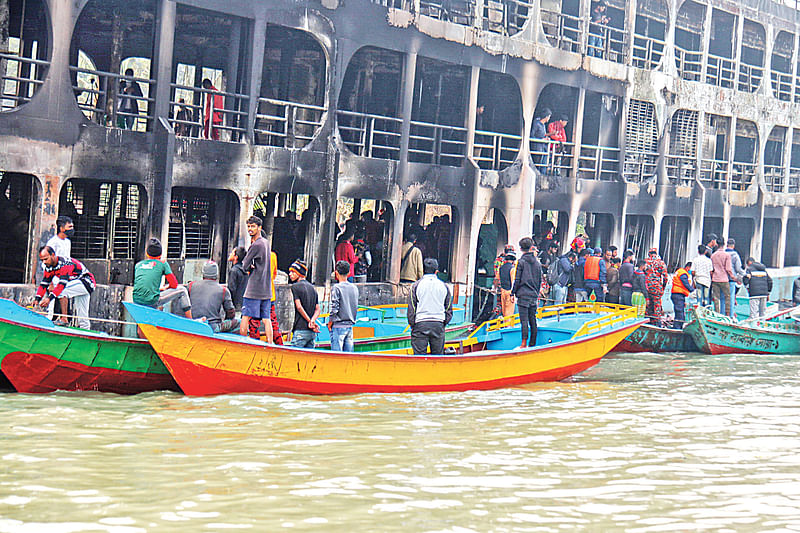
(147, 282)
(306, 307)
(210, 300)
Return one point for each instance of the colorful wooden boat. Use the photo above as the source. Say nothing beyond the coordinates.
(38, 357)
(650, 338)
(720, 334)
(573, 337)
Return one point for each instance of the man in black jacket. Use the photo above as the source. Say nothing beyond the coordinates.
(626, 277)
(759, 285)
(527, 282)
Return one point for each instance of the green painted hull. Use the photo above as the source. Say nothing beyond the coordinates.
(720, 334)
(650, 338)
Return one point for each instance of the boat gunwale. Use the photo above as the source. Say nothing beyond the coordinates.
(741, 325)
(89, 335)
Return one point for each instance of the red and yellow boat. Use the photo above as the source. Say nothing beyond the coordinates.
(572, 338)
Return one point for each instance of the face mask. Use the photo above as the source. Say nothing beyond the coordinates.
(69, 232)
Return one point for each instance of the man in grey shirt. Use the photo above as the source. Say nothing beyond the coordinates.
(256, 303)
(210, 300)
(344, 307)
(430, 309)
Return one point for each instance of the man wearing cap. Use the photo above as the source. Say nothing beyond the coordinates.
(594, 275)
(430, 308)
(210, 300)
(147, 282)
(306, 307)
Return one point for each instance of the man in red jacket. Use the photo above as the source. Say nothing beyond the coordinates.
(215, 103)
(70, 279)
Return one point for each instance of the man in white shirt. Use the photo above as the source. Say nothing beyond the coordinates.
(430, 308)
(701, 274)
(60, 242)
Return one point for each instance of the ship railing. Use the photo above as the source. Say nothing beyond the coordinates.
(495, 151)
(208, 114)
(607, 43)
(647, 51)
(505, 17)
(782, 85)
(793, 185)
(797, 87)
(563, 30)
(552, 157)
(720, 71)
(681, 169)
(639, 165)
(689, 63)
(714, 173)
(286, 124)
(102, 99)
(19, 79)
(774, 177)
(750, 77)
(598, 162)
(457, 11)
(742, 175)
(370, 135)
(437, 144)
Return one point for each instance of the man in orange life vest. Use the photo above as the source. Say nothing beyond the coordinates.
(594, 275)
(682, 285)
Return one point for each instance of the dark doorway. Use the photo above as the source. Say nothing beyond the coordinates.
(18, 195)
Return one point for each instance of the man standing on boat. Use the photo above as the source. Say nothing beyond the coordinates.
(566, 265)
(257, 298)
(506, 274)
(627, 273)
(410, 261)
(60, 242)
(738, 271)
(74, 281)
(430, 308)
(594, 275)
(527, 282)
(681, 287)
(656, 281)
(306, 307)
(147, 282)
(759, 285)
(344, 309)
(720, 281)
(701, 272)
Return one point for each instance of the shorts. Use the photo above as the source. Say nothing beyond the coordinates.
(256, 308)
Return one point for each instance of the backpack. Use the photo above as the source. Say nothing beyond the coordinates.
(554, 271)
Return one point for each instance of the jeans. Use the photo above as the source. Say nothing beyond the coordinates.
(304, 338)
(596, 45)
(703, 295)
(429, 332)
(581, 295)
(342, 338)
(625, 295)
(560, 294)
(527, 319)
(679, 303)
(597, 288)
(733, 298)
(721, 294)
(225, 326)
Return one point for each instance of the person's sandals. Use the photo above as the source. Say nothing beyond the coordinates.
(63, 322)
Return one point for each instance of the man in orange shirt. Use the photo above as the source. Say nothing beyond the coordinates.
(215, 103)
(556, 132)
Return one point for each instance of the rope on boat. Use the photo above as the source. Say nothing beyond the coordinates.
(91, 319)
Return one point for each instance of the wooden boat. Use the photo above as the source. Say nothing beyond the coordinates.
(720, 334)
(38, 357)
(650, 338)
(573, 337)
(385, 327)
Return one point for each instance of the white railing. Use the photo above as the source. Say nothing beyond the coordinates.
(647, 52)
(681, 169)
(639, 165)
(689, 63)
(607, 43)
(437, 144)
(782, 85)
(19, 79)
(714, 173)
(598, 162)
(552, 157)
(370, 135)
(286, 124)
(495, 151)
(720, 71)
(114, 100)
(742, 175)
(563, 30)
(774, 177)
(794, 180)
(207, 114)
(750, 77)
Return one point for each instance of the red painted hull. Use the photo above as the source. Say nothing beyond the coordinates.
(717, 349)
(39, 373)
(199, 380)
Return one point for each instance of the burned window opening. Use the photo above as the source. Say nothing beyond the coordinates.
(550, 226)
(505, 17)
(367, 115)
(751, 67)
(294, 221)
(550, 155)
(639, 233)
(24, 52)
(791, 256)
(741, 230)
(598, 227)
(370, 223)
(781, 66)
(608, 38)
(18, 195)
(682, 159)
(562, 24)
(498, 121)
(745, 155)
(641, 141)
(689, 33)
(107, 218)
(774, 172)
(721, 64)
(770, 242)
(649, 33)
(715, 145)
(674, 238)
(209, 95)
(110, 63)
(190, 223)
(793, 185)
(292, 96)
(434, 225)
(599, 150)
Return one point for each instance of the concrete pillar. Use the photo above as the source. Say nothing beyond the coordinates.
(737, 52)
(623, 124)
(162, 56)
(706, 40)
(788, 140)
(5, 17)
(577, 131)
(160, 190)
(232, 76)
(472, 106)
(631, 8)
(781, 262)
(663, 149)
(256, 72)
(758, 233)
(465, 232)
(406, 106)
(396, 242)
(281, 204)
(731, 151)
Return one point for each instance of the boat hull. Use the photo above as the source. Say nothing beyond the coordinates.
(205, 365)
(42, 358)
(374, 344)
(722, 335)
(649, 338)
